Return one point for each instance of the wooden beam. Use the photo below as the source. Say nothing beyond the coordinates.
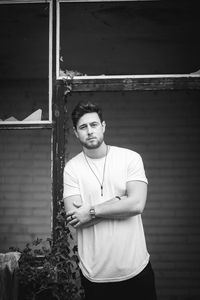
(58, 134)
(24, 126)
(134, 83)
(104, 0)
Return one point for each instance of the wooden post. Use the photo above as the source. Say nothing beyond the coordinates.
(58, 151)
(61, 88)
(58, 148)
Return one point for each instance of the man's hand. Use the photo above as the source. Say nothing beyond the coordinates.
(79, 215)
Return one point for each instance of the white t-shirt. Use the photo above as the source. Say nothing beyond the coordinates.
(112, 250)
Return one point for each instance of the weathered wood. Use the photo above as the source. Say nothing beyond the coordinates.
(24, 126)
(136, 83)
(102, 0)
(58, 149)
(58, 133)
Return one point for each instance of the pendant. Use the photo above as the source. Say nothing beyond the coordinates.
(101, 190)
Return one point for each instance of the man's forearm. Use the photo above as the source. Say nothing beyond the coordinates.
(130, 205)
(99, 219)
(123, 208)
(110, 210)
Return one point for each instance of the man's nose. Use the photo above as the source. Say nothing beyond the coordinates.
(89, 129)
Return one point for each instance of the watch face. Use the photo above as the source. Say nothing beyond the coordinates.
(92, 213)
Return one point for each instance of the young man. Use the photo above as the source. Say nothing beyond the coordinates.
(105, 191)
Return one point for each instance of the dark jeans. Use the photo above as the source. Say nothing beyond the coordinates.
(140, 287)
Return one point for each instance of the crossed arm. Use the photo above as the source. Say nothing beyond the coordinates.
(130, 204)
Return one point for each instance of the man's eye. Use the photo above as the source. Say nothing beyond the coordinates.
(94, 124)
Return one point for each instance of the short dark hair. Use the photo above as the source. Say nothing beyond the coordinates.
(83, 108)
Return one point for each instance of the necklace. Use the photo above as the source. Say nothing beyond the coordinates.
(104, 167)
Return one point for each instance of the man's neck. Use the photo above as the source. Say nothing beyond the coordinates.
(96, 153)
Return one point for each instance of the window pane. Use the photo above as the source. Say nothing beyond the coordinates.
(24, 55)
(25, 186)
(139, 37)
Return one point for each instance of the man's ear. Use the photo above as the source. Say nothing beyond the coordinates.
(104, 126)
(75, 132)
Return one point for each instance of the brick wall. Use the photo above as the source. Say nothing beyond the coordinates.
(164, 128)
(25, 186)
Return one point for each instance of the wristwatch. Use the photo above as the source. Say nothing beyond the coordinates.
(92, 213)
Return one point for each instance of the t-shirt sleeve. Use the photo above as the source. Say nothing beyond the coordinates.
(70, 182)
(136, 168)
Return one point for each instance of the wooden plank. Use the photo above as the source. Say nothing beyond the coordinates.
(58, 135)
(58, 148)
(23, 1)
(134, 83)
(103, 0)
(25, 126)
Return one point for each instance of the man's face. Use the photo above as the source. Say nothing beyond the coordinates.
(90, 130)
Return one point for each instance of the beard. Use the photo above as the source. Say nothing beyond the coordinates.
(92, 144)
